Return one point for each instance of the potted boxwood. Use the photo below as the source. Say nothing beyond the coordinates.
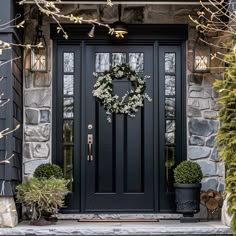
(43, 193)
(187, 176)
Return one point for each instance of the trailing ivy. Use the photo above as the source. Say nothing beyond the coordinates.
(226, 135)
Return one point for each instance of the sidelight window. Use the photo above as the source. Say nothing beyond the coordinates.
(68, 116)
(170, 115)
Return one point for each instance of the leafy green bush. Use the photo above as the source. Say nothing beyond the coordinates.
(226, 134)
(42, 195)
(48, 170)
(188, 172)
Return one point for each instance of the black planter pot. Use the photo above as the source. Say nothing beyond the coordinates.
(187, 199)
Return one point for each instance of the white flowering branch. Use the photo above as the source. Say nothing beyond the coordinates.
(218, 22)
(51, 10)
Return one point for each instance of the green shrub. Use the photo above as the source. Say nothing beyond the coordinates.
(188, 172)
(42, 195)
(48, 170)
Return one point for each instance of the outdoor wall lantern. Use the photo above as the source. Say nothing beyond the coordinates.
(201, 56)
(120, 28)
(38, 56)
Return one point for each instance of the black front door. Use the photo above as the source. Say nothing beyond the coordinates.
(133, 158)
(120, 176)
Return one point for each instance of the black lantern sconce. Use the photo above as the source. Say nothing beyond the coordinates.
(120, 28)
(201, 56)
(39, 55)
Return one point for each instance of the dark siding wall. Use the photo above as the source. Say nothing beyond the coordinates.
(11, 85)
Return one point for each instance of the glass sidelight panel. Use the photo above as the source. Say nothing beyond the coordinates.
(68, 84)
(170, 85)
(170, 116)
(68, 131)
(170, 62)
(68, 116)
(68, 62)
(68, 165)
(68, 107)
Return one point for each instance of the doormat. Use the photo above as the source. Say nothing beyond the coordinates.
(108, 220)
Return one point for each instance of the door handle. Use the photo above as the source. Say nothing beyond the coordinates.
(90, 150)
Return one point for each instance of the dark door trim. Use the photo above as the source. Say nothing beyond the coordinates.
(155, 36)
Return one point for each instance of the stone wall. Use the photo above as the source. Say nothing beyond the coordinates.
(201, 106)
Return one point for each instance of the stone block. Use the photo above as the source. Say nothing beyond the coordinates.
(27, 151)
(210, 142)
(209, 168)
(208, 81)
(215, 106)
(44, 116)
(210, 114)
(209, 183)
(28, 79)
(201, 127)
(196, 140)
(42, 79)
(37, 133)
(37, 98)
(221, 185)
(31, 116)
(195, 79)
(204, 104)
(214, 155)
(221, 169)
(36, 150)
(199, 92)
(198, 152)
(31, 165)
(194, 112)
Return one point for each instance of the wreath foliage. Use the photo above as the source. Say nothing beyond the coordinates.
(131, 101)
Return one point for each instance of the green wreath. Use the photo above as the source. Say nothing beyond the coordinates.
(131, 101)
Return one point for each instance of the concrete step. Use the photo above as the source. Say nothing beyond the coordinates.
(164, 227)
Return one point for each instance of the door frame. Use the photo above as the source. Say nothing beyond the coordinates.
(155, 35)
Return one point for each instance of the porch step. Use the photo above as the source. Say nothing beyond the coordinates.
(164, 227)
(121, 216)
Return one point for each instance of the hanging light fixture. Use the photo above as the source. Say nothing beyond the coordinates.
(201, 56)
(91, 32)
(120, 28)
(38, 55)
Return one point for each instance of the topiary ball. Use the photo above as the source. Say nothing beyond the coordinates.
(188, 172)
(48, 170)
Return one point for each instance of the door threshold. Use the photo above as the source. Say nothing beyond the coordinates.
(121, 216)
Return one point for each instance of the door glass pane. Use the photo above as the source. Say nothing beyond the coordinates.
(68, 107)
(170, 106)
(170, 132)
(170, 62)
(68, 127)
(68, 165)
(102, 62)
(68, 62)
(170, 85)
(68, 84)
(136, 61)
(169, 164)
(118, 58)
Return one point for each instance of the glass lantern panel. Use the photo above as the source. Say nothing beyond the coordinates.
(202, 59)
(39, 59)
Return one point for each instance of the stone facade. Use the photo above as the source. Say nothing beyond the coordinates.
(202, 109)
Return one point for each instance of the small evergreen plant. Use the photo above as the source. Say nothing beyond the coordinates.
(188, 172)
(48, 170)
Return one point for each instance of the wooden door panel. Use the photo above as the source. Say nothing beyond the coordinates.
(121, 175)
